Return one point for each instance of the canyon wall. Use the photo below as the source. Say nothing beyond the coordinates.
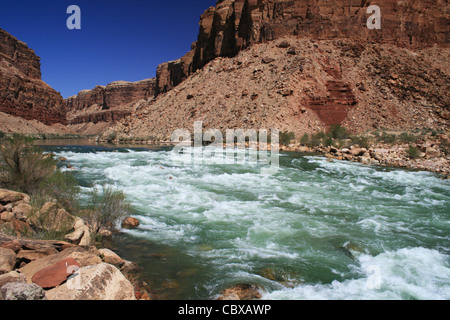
(108, 103)
(22, 92)
(233, 25)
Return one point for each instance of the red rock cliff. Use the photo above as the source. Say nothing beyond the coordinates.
(22, 92)
(235, 24)
(108, 103)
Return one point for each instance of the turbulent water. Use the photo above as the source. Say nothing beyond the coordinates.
(314, 230)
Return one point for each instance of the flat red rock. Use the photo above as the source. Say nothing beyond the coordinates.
(55, 274)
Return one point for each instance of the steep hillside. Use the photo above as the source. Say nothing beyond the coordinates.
(304, 85)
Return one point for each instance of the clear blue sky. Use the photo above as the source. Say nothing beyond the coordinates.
(119, 39)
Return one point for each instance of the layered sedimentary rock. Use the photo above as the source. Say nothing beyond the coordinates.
(22, 92)
(235, 24)
(333, 69)
(108, 103)
(361, 86)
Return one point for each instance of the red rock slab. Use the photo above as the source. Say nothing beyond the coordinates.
(55, 274)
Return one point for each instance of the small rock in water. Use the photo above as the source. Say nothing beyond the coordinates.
(241, 292)
(130, 223)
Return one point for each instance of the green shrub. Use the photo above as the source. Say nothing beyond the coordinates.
(338, 132)
(62, 187)
(362, 141)
(388, 138)
(304, 140)
(106, 209)
(408, 138)
(286, 138)
(327, 141)
(316, 139)
(24, 167)
(445, 146)
(413, 152)
(111, 137)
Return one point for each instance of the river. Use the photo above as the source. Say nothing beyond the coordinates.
(314, 230)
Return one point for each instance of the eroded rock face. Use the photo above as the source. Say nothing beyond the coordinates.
(235, 24)
(360, 86)
(22, 92)
(109, 103)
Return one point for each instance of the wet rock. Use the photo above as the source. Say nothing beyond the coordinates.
(241, 292)
(82, 256)
(130, 223)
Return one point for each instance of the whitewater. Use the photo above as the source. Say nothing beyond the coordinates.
(314, 230)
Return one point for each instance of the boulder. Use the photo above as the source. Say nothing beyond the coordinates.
(81, 255)
(292, 51)
(55, 274)
(8, 196)
(111, 257)
(21, 291)
(130, 223)
(6, 216)
(81, 235)
(267, 60)
(241, 292)
(31, 255)
(432, 152)
(16, 244)
(12, 276)
(99, 282)
(284, 44)
(7, 260)
(21, 228)
(13, 245)
(22, 211)
(53, 218)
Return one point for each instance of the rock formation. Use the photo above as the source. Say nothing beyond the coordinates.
(234, 25)
(22, 92)
(108, 103)
(362, 86)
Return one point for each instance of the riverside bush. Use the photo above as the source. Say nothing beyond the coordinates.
(24, 167)
(413, 152)
(106, 208)
(286, 138)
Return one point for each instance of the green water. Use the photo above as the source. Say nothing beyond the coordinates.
(314, 230)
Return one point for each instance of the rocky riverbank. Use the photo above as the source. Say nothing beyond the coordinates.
(427, 155)
(72, 269)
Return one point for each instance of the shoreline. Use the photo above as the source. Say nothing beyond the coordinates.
(431, 156)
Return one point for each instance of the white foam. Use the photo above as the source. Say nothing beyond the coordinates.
(248, 218)
(415, 273)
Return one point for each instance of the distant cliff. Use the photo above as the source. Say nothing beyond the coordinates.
(22, 92)
(108, 103)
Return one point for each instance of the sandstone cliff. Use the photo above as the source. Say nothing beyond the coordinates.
(108, 103)
(333, 70)
(235, 24)
(303, 86)
(22, 92)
